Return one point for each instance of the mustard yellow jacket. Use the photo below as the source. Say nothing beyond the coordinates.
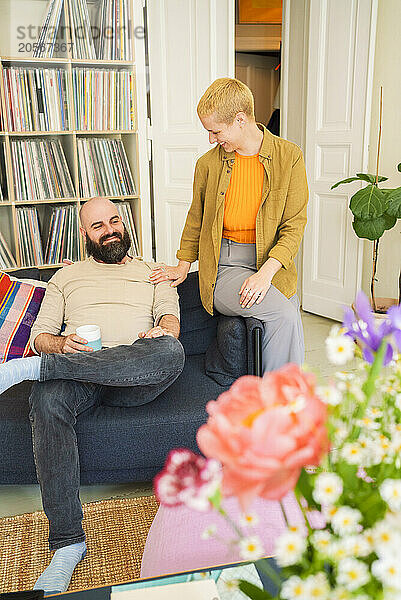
(280, 221)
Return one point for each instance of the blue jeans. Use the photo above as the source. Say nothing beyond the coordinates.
(70, 384)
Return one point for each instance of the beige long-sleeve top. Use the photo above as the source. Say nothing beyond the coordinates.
(120, 299)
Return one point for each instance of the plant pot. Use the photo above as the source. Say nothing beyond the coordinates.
(382, 305)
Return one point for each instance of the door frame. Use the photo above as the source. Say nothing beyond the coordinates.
(299, 76)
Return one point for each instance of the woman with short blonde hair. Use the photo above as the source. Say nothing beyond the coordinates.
(246, 222)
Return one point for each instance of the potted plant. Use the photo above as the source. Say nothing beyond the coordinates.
(375, 211)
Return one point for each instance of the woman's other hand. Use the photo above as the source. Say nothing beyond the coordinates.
(254, 289)
(175, 274)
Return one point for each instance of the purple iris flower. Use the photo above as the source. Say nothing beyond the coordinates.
(360, 325)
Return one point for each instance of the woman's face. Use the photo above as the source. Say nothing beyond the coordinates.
(228, 136)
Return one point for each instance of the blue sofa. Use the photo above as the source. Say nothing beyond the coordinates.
(130, 444)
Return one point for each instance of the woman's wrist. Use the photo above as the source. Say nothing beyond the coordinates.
(271, 267)
(184, 265)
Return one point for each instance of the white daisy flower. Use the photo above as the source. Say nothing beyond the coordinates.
(329, 394)
(368, 423)
(321, 540)
(390, 491)
(353, 453)
(328, 488)
(338, 551)
(340, 349)
(294, 588)
(346, 520)
(395, 443)
(300, 529)
(249, 520)
(374, 412)
(398, 401)
(352, 573)
(251, 548)
(357, 545)
(209, 532)
(386, 538)
(388, 571)
(317, 586)
(289, 548)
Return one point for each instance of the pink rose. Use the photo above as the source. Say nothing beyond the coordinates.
(187, 478)
(264, 431)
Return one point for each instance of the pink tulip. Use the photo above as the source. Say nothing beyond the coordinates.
(264, 431)
(187, 478)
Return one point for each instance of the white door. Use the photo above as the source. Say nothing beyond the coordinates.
(191, 43)
(338, 99)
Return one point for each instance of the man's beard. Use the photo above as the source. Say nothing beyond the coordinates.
(111, 253)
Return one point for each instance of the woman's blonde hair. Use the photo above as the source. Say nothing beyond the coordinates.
(226, 97)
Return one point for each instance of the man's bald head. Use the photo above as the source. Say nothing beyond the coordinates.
(96, 209)
(106, 237)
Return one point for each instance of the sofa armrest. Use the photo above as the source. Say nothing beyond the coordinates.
(254, 333)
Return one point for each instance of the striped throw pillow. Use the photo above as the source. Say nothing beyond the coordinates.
(20, 301)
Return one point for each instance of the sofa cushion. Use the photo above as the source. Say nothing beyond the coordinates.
(20, 301)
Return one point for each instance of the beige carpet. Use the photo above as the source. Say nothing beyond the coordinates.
(116, 532)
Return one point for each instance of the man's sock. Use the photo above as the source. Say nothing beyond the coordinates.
(56, 578)
(19, 369)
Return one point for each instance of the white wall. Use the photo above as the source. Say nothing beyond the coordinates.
(387, 73)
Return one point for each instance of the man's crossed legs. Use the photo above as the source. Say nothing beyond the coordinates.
(70, 384)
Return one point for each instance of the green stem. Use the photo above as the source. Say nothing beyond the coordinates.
(298, 497)
(369, 385)
(368, 388)
(268, 570)
(284, 513)
(231, 522)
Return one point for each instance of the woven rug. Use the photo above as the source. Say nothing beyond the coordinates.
(116, 532)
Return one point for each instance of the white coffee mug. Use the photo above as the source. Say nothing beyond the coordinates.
(92, 334)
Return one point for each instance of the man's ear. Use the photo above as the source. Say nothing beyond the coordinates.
(82, 230)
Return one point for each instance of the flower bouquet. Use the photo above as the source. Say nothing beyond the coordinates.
(336, 446)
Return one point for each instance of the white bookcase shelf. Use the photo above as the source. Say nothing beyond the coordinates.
(15, 14)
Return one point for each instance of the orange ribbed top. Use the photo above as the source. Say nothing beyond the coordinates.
(243, 198)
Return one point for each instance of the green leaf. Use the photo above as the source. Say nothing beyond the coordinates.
(368, 203)
(390, 221)
(254, 592)
(348, 473)
(215, 500)
(370, 229)
(370, 178)
(305, 487)
(344, 181)
(393, 203)
(399, 167)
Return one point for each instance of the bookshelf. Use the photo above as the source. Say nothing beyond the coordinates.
(25, 146)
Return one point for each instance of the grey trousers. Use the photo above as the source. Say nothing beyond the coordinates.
(283, 339)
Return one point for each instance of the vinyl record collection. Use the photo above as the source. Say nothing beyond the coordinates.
(124, 210)
(48, 33)
(7, 260)
(103, 168)
(111, 30)
(30, 244)
(40, 170)
(115, 16)
(103, 99)
(80, 28)
(38, 99)
(63, 239)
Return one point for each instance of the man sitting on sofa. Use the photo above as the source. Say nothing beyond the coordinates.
(139, 325)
